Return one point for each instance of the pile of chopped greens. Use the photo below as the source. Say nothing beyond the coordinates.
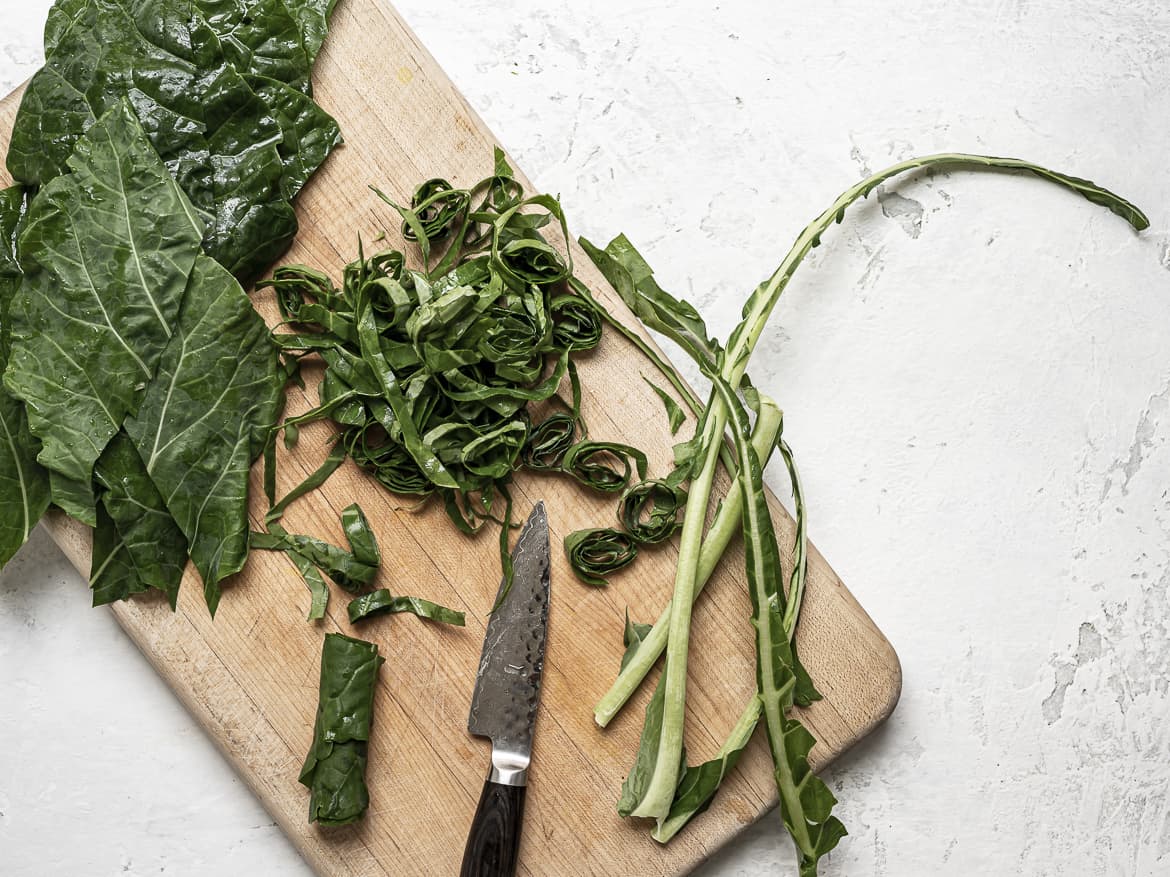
(432, 375)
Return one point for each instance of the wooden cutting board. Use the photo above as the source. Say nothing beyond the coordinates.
(250, 677)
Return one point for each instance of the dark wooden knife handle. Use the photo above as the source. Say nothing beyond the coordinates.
(494, 839)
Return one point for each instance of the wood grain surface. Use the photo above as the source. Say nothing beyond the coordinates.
(250, 677)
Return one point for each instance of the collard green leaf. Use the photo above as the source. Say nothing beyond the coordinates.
(308, 133)
(649, 511)
(312, 16)
(633, 279)
(237, 157)
(337, 563)
(548, 441)
(23, 482)
(576, 323)
(13, 208)
(109, 248)
(360, 536)
(206, 417)
(101, 52)
(382, 601)
(155, 548)
(112, 575)
(597, 552)
(604, 466)
(318, 590)
(334, 769)
(699, 784)
(75, 497)
(353, 570)
(338, 794)
(261, 38)
(277, 540)
(674, 412)
(638, 781)
(314, 480)
(371, 349)
(632, 638)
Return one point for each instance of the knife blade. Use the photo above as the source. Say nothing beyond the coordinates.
(504, 703)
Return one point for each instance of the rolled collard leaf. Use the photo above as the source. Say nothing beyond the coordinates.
(548, 441)
(335, 768)
(598, 552)
(649, 511)
(604, 466)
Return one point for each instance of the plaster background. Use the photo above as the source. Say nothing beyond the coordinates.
(975, 376)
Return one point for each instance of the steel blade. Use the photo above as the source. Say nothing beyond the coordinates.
(507, 687)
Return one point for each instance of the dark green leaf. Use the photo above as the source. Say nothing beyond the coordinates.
(154, 546)
(308, 133)
(604, 466)
(206, 417)
(520, 254)
(359, 535)
(315, 479)
(337, 563)
(638, 781)
(674, 413)
(318, 590)
(112, 575)
(73, 496)
(390, 462)
(699, 784)
(313, 18)
(624, 267)
(23, 482)
(632, 638)
(548, 441)
(372, 353)
(110, 247)
(334, 769)
(599, 552)
(261, 38)
(382, 601)
(225, 145)
(649, 511)
(576, 323)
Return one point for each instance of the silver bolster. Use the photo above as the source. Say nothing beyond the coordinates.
(508, 768)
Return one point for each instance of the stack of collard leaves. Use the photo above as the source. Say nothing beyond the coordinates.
(157, 154)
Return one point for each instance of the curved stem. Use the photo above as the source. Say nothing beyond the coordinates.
(800, 548)
(741, 344)
(727, 522)
(660, 792)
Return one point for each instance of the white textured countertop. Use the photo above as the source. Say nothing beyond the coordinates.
(976, 376)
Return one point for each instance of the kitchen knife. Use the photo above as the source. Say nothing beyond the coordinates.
(503, 707)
